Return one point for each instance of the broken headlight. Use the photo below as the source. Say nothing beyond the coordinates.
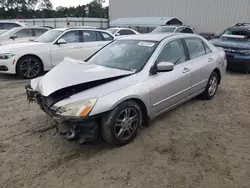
(80, 108)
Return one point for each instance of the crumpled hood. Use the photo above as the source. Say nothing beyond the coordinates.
(71, 72)
(231, 43)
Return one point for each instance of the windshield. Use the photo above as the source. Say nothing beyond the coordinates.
(112, 30)
(238, 32)
(49, 36)
(7, 33)
(164, 30)
(129, 55)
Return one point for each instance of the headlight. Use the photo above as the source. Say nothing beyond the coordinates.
(80, 108)
(6, 55)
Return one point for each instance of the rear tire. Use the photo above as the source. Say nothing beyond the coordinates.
(122, 124)
(29, 67)
(211, 88)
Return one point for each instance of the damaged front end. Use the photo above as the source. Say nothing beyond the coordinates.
(56, 92)
(81, 129)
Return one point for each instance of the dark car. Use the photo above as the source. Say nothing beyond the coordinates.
(236, 43)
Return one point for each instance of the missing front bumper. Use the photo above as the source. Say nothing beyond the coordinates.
(81, 131)
(71, 128)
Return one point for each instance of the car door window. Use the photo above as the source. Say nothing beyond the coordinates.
(9, 25)
(187, 30)
(89, 36)
(106, 36)
(172, 52)
(99, 36)
(126, 32)
(39, 32)
(24, 33)
(195, 47)
(71, 37)
(179, 30)
(207, 49)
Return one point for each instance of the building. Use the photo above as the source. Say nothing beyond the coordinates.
(203, 15)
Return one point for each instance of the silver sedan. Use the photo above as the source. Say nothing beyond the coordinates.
(127, 83)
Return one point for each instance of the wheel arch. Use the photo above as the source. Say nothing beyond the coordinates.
(32, 55)
(217, 71)
(140, 103)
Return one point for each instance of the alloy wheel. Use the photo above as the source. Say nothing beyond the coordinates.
(30, 68)
(126, 123)
(213, 83)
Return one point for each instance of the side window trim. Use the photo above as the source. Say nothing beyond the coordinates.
(33, 32)
(106, 34)
(205, 47)
(186, 51)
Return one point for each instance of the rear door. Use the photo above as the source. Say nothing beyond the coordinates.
(201, 63)
(170, 88)
(72, 48)
(92, 41)
(39, 31)
(22, 35)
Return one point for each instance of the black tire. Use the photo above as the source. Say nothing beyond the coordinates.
(29, 67)
(109, 127)
(207, 95)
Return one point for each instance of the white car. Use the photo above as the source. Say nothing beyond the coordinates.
(6, 25)
(30, 59)
(21, 34)
(122, 31)
(174, 29)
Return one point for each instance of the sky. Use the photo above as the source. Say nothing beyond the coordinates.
(68, 3)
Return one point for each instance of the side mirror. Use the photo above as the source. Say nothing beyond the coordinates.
(13, 37)
(61, 41)
(165, 67)
(117, 34)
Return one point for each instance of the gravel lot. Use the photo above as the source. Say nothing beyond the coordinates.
(201, 144)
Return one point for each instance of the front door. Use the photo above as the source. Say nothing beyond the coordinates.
(170, 88)
(72, 48)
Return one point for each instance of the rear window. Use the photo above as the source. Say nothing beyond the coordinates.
(164, 30)
(239, 32)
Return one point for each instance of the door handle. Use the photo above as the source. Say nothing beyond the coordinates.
(210, 59)
(185, 70)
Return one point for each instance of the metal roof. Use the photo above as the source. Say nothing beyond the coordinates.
(144, 21)
(148, 36)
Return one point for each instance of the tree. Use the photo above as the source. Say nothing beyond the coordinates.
(26, 9)
(45, 4)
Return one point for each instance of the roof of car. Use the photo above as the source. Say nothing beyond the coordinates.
(119, 28)
(174, 26)
(77, 28)
(155, 36)
(16, 22)
(242, 26)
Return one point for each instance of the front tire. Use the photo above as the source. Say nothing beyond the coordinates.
(212, 87)
(29, 67)
(122, 124)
